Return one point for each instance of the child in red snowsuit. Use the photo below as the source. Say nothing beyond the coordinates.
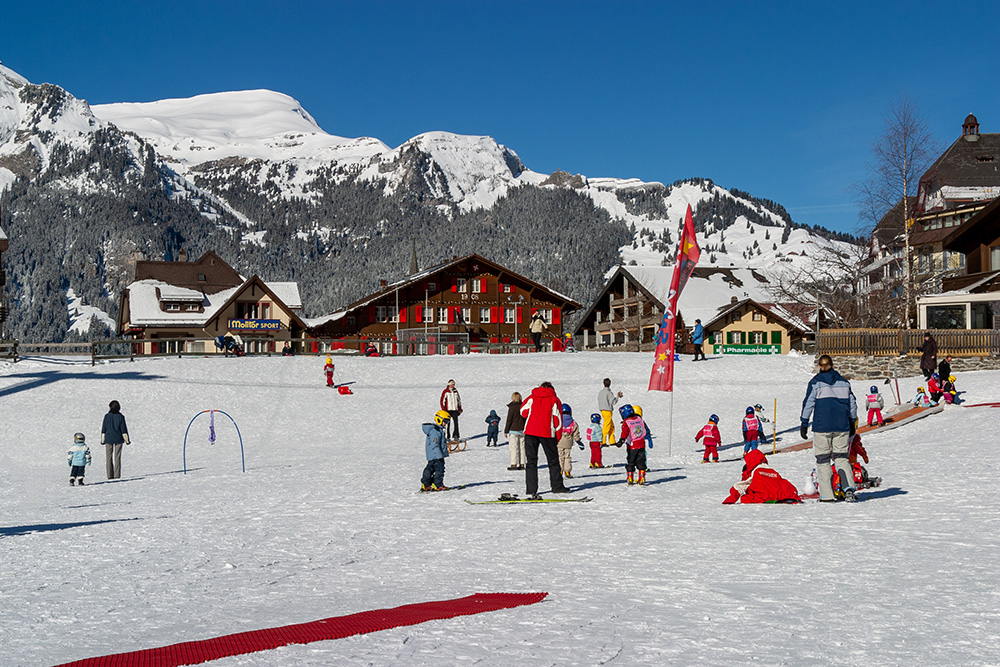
(328, 369)
(710, 432)
(636, 434)
(761, 483)
(857, 449)
(594, 437)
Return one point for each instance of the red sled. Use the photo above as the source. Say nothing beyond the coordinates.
(345, 390)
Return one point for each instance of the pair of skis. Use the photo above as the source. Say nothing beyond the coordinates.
(511, 498)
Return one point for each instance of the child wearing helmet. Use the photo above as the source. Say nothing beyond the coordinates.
(752, 430)
(594, 437)
(948, 387)
(921, 400)
(436, 449)
(712, 439)
(934, 388)
(79, 459)
(569, 434)
(875, 405)
(328, 369)
(635, 432)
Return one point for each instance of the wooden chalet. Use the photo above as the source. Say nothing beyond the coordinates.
(468, 298)
(750, 327)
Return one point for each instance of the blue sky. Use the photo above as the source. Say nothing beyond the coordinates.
(781, 99)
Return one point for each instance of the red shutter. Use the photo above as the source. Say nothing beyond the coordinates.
(519, 315)
(418, 314)
(371, 313)
(512, 288)
(451, 316)
(555, 315)
(494, 315)
(533, 311)
(402, 315)
(454, 285)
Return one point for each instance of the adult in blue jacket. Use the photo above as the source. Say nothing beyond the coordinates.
(834, 411)
(698, 337)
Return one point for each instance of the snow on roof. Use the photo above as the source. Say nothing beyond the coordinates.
(3, 235)
(288, 293)
(144, 304)
(174, 293)
(318, 321)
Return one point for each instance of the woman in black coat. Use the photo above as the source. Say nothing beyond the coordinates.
(928, 357)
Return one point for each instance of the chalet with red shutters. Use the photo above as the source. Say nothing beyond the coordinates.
(466, 299)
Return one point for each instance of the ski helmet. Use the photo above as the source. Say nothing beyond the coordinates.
(873, 389)
(566, 410)
(951, 378)
(714, 419)
(79, 438)
(329, 360)
(595, 418)
(920, 390)
(749, 411)
(637, 410)
(758, 407)
(440, 417)
(626, 411)
(936, 377)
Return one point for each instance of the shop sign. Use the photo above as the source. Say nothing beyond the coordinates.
(254, 325)
(746, 349)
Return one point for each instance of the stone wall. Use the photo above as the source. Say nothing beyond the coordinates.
(856, 367)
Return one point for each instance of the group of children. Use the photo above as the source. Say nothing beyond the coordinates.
(753, 433)
(938, 390)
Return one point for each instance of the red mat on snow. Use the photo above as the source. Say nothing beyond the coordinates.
(338, 627)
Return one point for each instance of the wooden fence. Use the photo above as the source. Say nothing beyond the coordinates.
(900, 342)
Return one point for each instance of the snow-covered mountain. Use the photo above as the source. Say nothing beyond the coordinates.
(251, 175)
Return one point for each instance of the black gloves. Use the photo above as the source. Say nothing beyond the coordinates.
(804, 431)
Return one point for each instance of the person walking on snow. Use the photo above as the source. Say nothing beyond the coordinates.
(328, 369)
(436, 450)
(712, 439)
(636, 434)
(492, 428)
(928, 356)
(698, 338)
(875, 405)
(570, 433)
(542, 412)
(114, 434)
(536, 328)
(831, 404)
(513, 430)
(606, 400)
(594, 438)
(451, 402)
(79, 459)
(752, 431)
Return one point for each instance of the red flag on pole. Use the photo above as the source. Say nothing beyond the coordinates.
(661, 378)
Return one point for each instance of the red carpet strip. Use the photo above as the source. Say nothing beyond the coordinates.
(338, 627)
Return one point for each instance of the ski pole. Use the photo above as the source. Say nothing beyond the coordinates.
(774, 426)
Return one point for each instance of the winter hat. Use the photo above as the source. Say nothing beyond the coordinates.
(79, 438)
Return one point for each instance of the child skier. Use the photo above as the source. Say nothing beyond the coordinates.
(570, 433)
(710, 432)
(634, 431)
(875, 405)
(328, 369)
(752, 431)
(436, 449)
(758, 410)
(79, 459)
(761, 483)
(950, 393)
(492, 428)
(934, 389)
(594, 437)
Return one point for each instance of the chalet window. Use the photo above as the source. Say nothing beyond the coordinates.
(994, 258)
(173, 307)
(201, 277)
(546, 314)
(460, 283)
(432, 287)
(508, 289)
(350, 320)
(428, 314)
(484, 315)
(466, 314)
(380, 314)
(716, 338)
(191, 307)
(265, 311)
(757, 316)
(477, 286)
(758, 337)
(442, 315)
(508, 316)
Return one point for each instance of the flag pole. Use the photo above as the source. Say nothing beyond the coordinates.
(670, 425)
(774, 424)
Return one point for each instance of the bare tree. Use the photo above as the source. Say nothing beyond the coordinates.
(900, 156)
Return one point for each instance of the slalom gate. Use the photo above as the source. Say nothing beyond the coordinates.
(211, 435)
(337, 627)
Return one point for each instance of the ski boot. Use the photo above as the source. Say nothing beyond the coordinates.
(425, 489)
(79, 481)
(704, 461)
(630, 481)
(642, 478)
(849, 496)
(567, 475)
(72, 481)
(508, 497)
(441, 487)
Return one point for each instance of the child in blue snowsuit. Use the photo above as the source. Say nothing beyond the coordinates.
(492, 429)
(79, 459)
(436, 448)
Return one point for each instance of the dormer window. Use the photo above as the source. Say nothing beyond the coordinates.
(192, 307)
(201, 277)
(173, 307)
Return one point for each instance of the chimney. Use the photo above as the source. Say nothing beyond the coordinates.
(382, 283)
(734, 300)
(182, 255)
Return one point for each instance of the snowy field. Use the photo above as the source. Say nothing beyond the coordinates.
(327, 521)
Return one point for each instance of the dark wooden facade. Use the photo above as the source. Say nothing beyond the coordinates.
(467, 295)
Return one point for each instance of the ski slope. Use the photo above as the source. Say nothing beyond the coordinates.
(327, 521)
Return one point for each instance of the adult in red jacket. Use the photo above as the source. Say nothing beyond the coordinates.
(761, 483)
(542, 412)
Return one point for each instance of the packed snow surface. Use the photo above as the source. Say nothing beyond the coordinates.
(327, 520)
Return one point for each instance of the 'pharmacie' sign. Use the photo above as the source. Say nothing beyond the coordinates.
(254, 325)
(747, 349)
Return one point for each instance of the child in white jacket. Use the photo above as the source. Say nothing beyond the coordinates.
(79, 459)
